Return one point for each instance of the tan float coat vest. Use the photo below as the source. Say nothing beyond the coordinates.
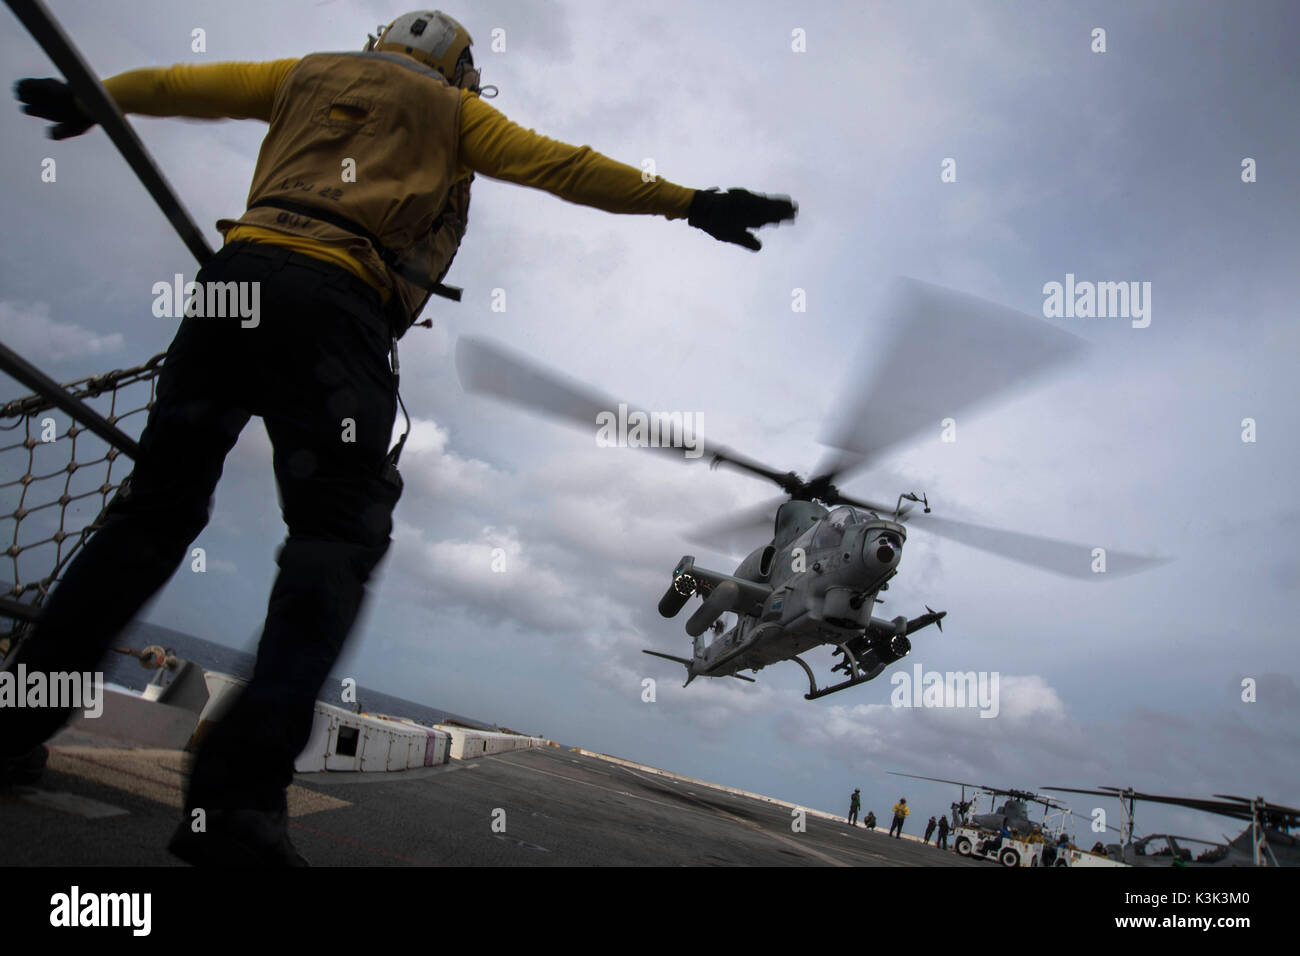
(399, 122)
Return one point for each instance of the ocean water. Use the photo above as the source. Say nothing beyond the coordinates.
(126, 671)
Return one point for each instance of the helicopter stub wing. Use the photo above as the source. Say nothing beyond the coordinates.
(750, 599)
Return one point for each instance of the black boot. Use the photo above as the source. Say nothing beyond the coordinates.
(237, 838)
(25, 767)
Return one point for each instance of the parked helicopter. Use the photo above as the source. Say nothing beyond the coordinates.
(817, 580)
(1266, 841)
(1014, 811)
(1033, 843)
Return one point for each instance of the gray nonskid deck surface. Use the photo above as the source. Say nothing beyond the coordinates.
(558, 809)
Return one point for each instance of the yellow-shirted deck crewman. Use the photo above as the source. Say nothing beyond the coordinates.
(490, 144)
(358, 202)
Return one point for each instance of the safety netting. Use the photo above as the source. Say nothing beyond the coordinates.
(56, 478)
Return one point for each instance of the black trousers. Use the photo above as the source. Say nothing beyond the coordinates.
(317, 358)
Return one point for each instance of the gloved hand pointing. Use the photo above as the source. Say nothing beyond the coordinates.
(53, 100)
(729, 216)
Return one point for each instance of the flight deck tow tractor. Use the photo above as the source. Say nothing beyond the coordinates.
(1031, 842)
(828, 556)
(1038, 847)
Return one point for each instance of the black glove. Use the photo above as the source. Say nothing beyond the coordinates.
(53, 100)
(729, 216)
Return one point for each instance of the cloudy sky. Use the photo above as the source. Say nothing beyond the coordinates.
(1122, 165)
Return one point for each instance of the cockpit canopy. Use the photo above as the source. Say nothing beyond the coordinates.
(830, 532)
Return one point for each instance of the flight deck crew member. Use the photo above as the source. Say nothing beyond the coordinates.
(855, 804)
(929, 830)
(900, 814)
(345, 266)
(941, 841)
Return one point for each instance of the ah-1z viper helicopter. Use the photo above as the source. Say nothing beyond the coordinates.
(816, 581)
(1267, 840)
(1013, 813)
(1042, 842)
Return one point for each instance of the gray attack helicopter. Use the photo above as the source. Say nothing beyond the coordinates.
(816, 580)
(1267, 840)
(1014, 811)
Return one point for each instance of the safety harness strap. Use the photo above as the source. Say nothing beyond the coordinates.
(389, 257)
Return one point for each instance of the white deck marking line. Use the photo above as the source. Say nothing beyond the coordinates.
(513, 753)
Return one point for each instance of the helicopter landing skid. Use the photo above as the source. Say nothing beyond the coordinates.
(858, 676)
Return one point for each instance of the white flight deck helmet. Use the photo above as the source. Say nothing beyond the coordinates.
(436, 40)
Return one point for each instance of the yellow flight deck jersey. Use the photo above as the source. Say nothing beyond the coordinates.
(489, 144)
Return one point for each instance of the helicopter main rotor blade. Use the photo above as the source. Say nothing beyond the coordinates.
(1048, 554)
(940, 354)
(488, 368)
(1084, 816)
(1263, 804)
(1220, 807)
(998, 791)
(1093, 793)
(955, 783)
(1272, 814)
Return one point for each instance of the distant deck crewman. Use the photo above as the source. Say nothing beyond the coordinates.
(900, 814)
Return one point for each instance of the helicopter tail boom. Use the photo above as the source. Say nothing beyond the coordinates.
(691, 675)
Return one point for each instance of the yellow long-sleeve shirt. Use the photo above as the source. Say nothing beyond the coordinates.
(490, 144)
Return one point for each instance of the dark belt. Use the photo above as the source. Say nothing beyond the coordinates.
(389, 257)
(271, 251)
(283, 256)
